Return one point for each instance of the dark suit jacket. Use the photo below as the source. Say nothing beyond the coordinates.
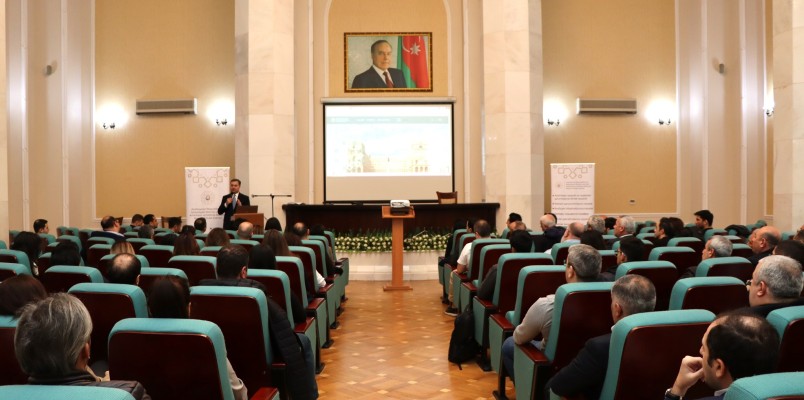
(766, 309)
(586, 373)
(229, 211)
(371, 80)
(756, 257)
(117, 238)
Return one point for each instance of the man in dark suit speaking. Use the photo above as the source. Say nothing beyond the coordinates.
(230, 202)
(380, 75)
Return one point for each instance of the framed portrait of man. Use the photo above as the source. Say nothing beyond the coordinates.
(388, 62)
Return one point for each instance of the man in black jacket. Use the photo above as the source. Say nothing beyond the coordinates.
(230, 202)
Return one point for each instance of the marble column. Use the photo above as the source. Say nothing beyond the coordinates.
(265, 144)
(4, 226)
(513, 130)
(788, 116)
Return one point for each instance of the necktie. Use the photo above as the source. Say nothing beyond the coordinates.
(388, 82)
(234, 201)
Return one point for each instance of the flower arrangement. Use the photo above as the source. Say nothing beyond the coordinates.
(380, 241)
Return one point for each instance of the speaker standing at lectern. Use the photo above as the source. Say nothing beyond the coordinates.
(230, 202)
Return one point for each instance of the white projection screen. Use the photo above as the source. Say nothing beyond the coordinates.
(386, 151)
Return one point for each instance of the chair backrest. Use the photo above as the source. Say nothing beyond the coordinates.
(636, 336)
(10, 371)
(478, 245)
(691, 242)
(278, 286)
(320, 255)
(712, 232)
(43, 262)
(242, 315)
(737, 267)
(149, 275)
(160, 237)
(456, 239)
(7, 270)
(447, 197)
(662, 274)
(508, 274)
(741, 250)
(46, 239)
(95, 252)
(195, 267)
(581, 312)
(15, 256)
(158, 255)
(55, 392)
(103, 264)
(645, 230)
(246, 244)
(60, 278)
(134, 346)
(138, 243)
(559, 252)
(307, 257)
(781, 385)
(99, 240)
(608, 259)
(789, 323)
(3, 244)
(131, 234)
(490, 255)
(211, 251)
(292, 266)
(734, 239)
(108, 303)
(716, 294)
(70, 238)
(534, 282)
(682, 257)
(331, 242)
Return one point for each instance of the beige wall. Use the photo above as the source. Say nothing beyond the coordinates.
(152, 49)
(613, 49)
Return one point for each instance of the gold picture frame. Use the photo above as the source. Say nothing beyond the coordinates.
(388, 62)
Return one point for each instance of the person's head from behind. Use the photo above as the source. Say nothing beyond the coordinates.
(704, 219)
(790, 248)
(17, 291)
(174, 224)
(631, 249)
(124, 269)
(188, 229)
(137, 220)
(52, 337)
(547, 221)
(200, 224)
(317, 230)
(217, 237)
(122, 247)
(776, 279)
(575, 230)
(625, 225)
(146, 232)
(245, 230)
(150, 220)
(300, 229)
(169, 298)
(764, 239)
(276, 241)
(737, 346)
(262, 257)
(470, 224)
(482, 229)
(186, 245)
(458, 224)
(596, 223)
(583, 264)
(610, 222)
(632, 294)
(40, 226)
(273, 223)
(28, 243)
(521, 242)
(513, 217)
(593, 238)
(65, 253)
(109, 223)
(232, 262)
(292, 239)
(717, 246)
(664, 229)
(381, 53)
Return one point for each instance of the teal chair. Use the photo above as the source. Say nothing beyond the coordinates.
(60, 278)
(10, 371)
(107, 304)
(131, 234)
(317, 307)
(741, 250)
(134, 341)
(646, 236)
(328, 291)
(7, 270)
(71, 238)
(734, 239)
(343, 262)
(781, 385)
(158, 255)
(43, 392)
(11, 235)
(211, 251)
(650, 223)
(197, 268)
(257, 237)
(682, 257)
(150, 275)
(247, 244)
(232, 233)
(165, 230)
(645, 230)
(46, 240)
(105, 260)
(338, 281)
(716, 294)
(15, 256)
(73, 231)
(95, 252)
(61, 230)
(560, 251)
(159, 237)
(462, 240)
(788, 235)
(737, 267)
(581, 311)
(463, 293)
(489, 255)
(138, 243)
(662, 274)
(3, 245)
(505, 232)
(533, 282)
(634, 337)
(712, 232)
(99, 240)
(694, 243)
(789, 323)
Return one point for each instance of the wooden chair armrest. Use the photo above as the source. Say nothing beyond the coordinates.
(264, 393)
(322, 291)
(487, 305)
(471, 286)
(534, 354)
(302, 326)
(314, 304)
(504, 323)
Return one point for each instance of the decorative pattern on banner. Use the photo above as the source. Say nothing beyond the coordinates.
(205, 186)
(573, 192)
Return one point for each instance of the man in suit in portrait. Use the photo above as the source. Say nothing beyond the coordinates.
(230, 202)
(380, 75)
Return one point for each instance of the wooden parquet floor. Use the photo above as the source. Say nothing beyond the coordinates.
(393, 345)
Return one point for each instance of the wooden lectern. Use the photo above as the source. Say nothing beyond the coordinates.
(397, 247)
(257, 219)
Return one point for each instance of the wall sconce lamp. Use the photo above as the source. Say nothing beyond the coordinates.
(769, 111)
(109, 125)
(663, 121)
(221, 121)
(552, 122)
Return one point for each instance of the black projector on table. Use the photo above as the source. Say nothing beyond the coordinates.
(400, 207)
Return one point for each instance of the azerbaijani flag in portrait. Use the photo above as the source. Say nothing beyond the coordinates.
(412, 60)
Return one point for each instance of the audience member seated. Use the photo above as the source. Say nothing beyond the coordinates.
(762, 241)
(678, 227)
(52, 345)
(276, 241)
(30, 244)
(583, 265)
(41, 226)
(734, 346)
(170, 298)
(122, 247)
(186, 245)
(319, 230)
(610, 223)
(17, 291)
(124, 268)
(776, 283)
(65, 253)
(631, 294)
(551, 235)
(799, 235)
(571, 235)
(631, 249)
(791, 248)
(188, 229)
(625, 227)
(273, 223)
(703, 223)
(717, 246)
(150, 220)
(111, 229)
(482, 230)
(245, 230)
(663, 233)
(217, 237)
(262, 257)
(520, 243)
(593, 238)
(596, 223)
(295, 349)
(449, 259)
(146, 232)
(512, 218)
(137, 221)
(200, 225)
(174, 224)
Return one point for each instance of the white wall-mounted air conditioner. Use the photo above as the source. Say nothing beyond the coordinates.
(607, 106)
(176, 106)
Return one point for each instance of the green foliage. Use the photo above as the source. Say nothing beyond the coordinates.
(380, 241)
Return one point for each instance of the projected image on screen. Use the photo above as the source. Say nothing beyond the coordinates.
(387, 151)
